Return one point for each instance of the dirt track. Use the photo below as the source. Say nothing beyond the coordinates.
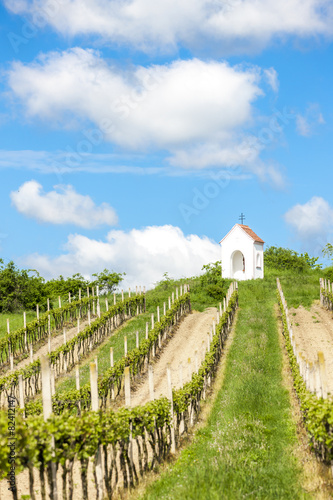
(313, 332)
(191, 336)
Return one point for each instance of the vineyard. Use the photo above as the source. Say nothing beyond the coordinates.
(98, 420)
(105, 435)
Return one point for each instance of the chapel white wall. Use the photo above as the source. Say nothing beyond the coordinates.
(237, 239)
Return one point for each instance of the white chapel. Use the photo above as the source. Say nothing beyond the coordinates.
(242, 254)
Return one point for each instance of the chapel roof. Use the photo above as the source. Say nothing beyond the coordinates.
(251, 233)
(248, 231)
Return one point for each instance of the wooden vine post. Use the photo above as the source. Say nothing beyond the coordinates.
(112, 364)
(47, 412)
(21, 391)
(98, 304)
(173, 442)
(95, 407)
(322, 374)
(127, 386)
(25, 330)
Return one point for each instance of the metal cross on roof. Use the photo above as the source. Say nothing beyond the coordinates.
(242, 217)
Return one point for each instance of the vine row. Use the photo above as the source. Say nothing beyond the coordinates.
(317, 412)
(18, 342)
(64, 357)
(110, 385)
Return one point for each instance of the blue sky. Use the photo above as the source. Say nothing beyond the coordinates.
(133, 134)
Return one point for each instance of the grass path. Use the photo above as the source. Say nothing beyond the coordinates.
(245, 451)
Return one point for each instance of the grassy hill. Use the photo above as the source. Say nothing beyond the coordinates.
(246, 449)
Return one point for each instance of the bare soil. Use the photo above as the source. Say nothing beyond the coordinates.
(179, 353)
(313, 331)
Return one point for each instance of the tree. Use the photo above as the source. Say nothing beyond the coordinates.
(328, 251)
(18, 290)
(165, 282)
(212, 282)
(212, 274)
(62, 286)
(283, 258)
(107, 280)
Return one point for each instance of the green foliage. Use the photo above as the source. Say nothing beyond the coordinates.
(107, 280)
(282, 259)
(212, 274)
(163, 289)
(301, 288)
(19, 290)
(165, 283)
(328, 273)
(209, 288)
(328, 251)
(62, 286)
(22, 289)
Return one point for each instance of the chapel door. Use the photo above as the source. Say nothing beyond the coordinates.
(238, 265)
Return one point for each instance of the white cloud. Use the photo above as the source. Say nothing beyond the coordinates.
(272, 78)
(159, 106)
(150, 25)
(144, 254)
(312, 220)
(195, 112)
(61, 206)
(306, 124)
(71, 161)
(302, 126)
